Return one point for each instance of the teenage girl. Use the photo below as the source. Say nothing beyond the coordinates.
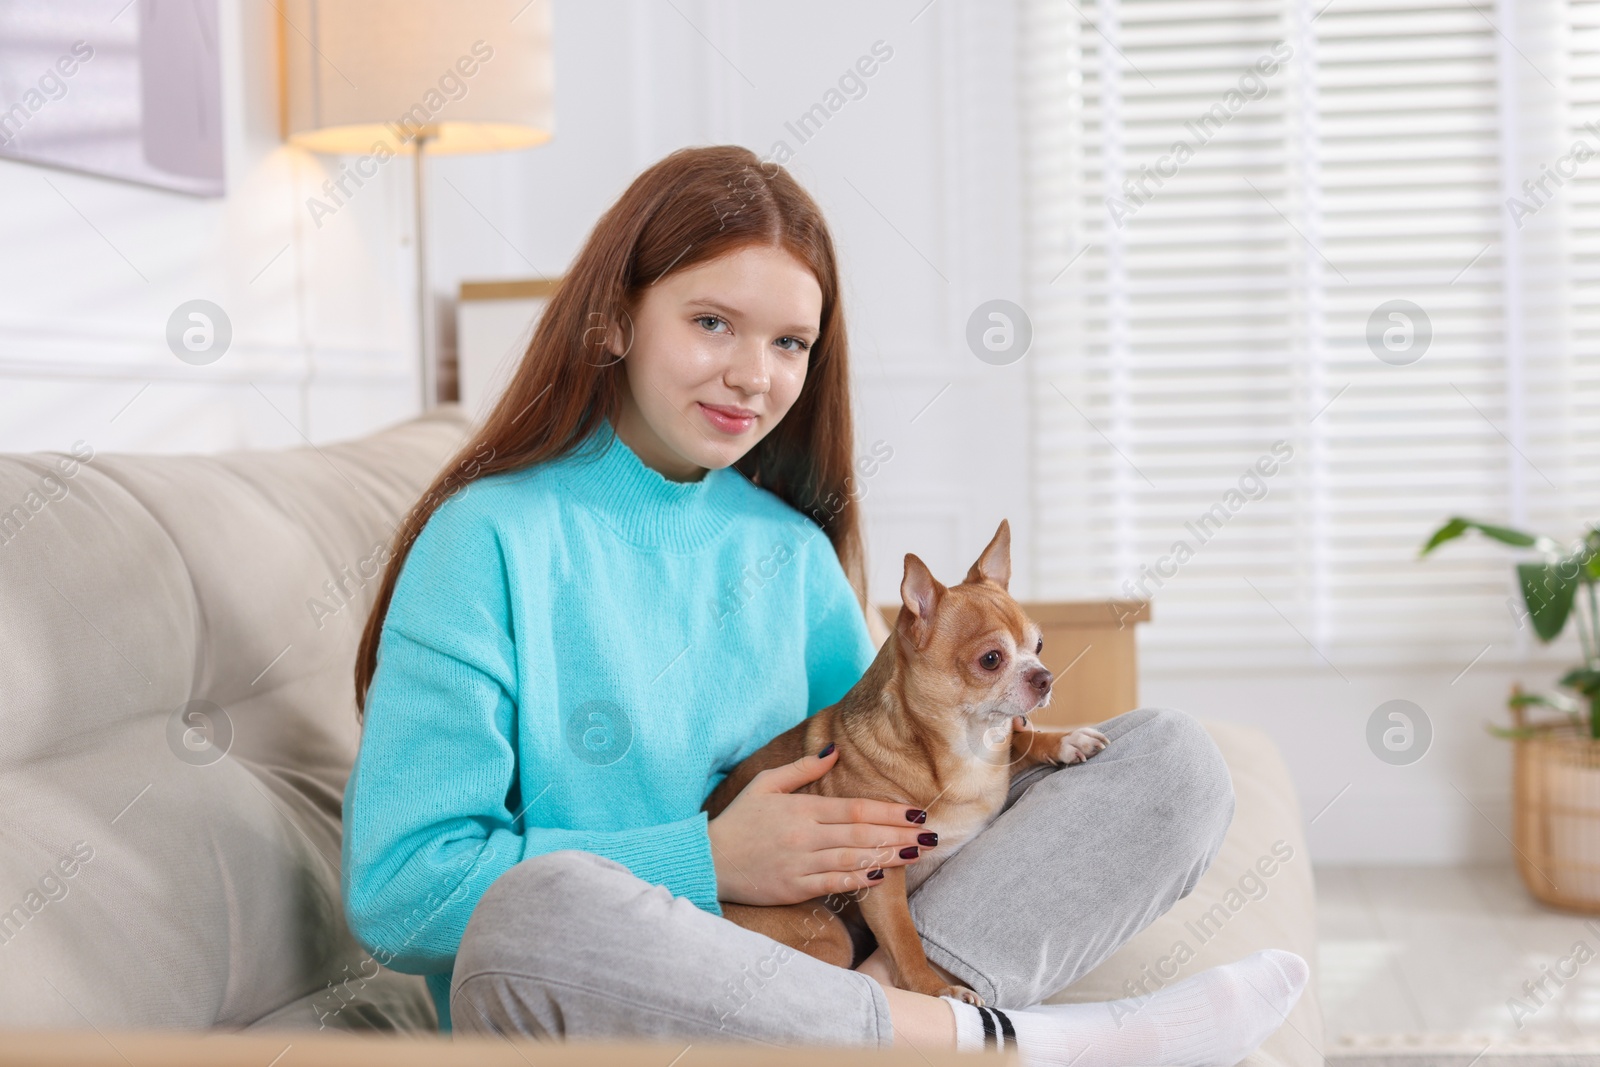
(643, 566)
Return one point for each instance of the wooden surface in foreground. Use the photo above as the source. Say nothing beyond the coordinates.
(287, 1048)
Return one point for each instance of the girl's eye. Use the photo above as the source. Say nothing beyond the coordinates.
(990, 660)
(804, 346)
(707, 318)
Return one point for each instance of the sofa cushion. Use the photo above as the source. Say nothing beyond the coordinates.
(177, 635)
(1258, 893)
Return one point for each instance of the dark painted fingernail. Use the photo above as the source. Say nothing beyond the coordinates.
(928, 839)
(826, 750)
(909, 852)
(916, 815)
(873, 876)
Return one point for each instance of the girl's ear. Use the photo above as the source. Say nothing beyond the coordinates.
(616, 344)
(618, 332)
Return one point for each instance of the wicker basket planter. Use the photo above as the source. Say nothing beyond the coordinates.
(1556, 816)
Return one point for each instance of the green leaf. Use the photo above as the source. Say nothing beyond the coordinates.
(1458, 526)
(1448, 532)
(1548, 596)
(1557, 701)
(1588, 553)
(1585, 680)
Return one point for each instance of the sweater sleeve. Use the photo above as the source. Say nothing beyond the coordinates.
(427, 823)
(838, 646)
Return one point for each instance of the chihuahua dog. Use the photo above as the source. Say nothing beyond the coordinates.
(939, 723)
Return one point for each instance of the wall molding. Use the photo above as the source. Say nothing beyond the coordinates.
(30, 351)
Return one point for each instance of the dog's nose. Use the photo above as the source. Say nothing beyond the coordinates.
(1040, 679)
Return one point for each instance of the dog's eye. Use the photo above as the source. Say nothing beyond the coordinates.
(990, 660)
(1039, 647)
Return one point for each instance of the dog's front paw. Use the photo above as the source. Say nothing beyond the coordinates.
(963, 994)
(1082, 743)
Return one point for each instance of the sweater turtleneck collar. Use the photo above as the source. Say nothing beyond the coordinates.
(643, 506)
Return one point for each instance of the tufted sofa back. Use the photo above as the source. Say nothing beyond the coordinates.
(177, 721)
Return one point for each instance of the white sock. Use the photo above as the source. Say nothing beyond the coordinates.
(1214, 1019)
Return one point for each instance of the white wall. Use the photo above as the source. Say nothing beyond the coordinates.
(1451, 806)
(920, 180)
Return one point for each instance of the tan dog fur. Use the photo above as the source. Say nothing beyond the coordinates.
(936, 722)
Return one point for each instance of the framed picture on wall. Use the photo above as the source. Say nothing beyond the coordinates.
(127, 89)
(494, 323)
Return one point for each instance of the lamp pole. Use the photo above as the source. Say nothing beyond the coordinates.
(349, 74)
(429, 369)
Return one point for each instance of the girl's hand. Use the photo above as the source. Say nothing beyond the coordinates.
(773, 846)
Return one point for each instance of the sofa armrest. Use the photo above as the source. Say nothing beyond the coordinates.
(1238, 907)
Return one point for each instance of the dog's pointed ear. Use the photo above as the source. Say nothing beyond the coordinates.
(919, 597)
(995, 563)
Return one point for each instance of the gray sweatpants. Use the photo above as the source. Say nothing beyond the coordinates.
(571, 945)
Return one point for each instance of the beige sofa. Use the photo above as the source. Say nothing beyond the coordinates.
(177, 634)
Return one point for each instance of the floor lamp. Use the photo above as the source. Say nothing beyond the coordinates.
(376, 79)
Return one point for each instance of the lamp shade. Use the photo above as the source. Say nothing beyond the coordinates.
(476, 77)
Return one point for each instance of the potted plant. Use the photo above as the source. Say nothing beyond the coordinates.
(1556, 767)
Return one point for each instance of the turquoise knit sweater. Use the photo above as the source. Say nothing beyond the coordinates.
(575, 655)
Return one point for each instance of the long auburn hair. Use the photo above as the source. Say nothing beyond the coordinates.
(691, 207)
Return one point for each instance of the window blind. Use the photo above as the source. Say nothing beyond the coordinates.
(1286, 322)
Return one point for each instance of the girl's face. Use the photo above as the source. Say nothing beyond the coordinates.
(719, 353)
